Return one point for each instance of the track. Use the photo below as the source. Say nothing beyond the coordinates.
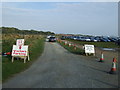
(58, 68)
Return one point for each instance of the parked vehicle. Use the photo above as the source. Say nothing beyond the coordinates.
(118, 42)
(63, 38)
(48, 36)
(87, 39)
(97, 39)
(52, 39)
(82, 38)
(47, 39)
(103, 40)
(92, 39)
(113, 39)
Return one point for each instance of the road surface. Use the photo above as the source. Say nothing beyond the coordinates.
(58, 68)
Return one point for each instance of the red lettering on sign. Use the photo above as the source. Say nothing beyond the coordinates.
(20, 47)
(19, 52)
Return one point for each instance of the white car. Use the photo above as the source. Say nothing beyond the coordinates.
(87, 39)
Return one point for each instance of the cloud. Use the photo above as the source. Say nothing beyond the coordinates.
(85, 18)
(60, 0)
(0, 14)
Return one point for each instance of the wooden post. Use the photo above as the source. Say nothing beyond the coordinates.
(28, 57)
(12, 59)
(24, 59)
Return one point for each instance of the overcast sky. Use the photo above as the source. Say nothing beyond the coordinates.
(93, 18)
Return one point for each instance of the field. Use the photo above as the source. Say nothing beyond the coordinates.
(36, 46)
(97, 44)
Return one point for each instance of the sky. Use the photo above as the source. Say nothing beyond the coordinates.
(60, 0)
(88, 18)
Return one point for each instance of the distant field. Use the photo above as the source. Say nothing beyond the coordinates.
(97, 44)
(36, 46)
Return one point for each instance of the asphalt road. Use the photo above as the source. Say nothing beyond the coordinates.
(58, 68)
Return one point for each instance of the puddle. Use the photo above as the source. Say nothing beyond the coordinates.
(108, 49)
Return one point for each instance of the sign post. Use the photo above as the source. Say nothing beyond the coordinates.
(20, 50)
(89, 49)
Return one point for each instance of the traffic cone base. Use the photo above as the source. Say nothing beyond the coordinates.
(113, 69)
(101, 60)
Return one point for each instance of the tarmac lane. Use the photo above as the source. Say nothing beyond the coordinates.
(58, 68)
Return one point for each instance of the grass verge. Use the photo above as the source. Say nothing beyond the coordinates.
(36, 47)
(72, 50)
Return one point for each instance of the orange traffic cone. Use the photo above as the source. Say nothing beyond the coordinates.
(65, 43)
(113, 69)
(102, 57)
(75, 47)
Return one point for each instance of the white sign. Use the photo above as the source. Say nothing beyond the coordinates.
(20, 42)
(20, 50)
(89, 49)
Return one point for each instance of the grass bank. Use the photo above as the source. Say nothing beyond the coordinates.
(71, 49)
(97, 44)
(36, 47)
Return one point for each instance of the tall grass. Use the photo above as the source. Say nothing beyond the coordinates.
(36, 47)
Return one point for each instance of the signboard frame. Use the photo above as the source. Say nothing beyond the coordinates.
(20, 52)
(89, 49)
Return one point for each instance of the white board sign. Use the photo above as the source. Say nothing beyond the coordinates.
(89, 49)
(20, 42)
(20, 50)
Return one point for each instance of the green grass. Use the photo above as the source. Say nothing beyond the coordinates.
(9, 69)
(97, 44)
(72, 50)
